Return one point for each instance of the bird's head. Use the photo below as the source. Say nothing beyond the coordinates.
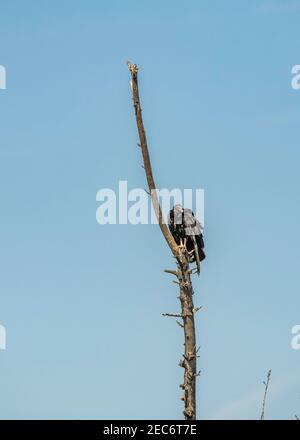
(178, 208)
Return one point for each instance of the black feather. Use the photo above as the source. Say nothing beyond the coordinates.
(184, 226)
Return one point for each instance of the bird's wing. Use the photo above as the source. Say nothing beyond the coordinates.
(198, 227)
(178, 218)
(192, 225)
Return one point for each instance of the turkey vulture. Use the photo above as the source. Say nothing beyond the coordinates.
(187, 231)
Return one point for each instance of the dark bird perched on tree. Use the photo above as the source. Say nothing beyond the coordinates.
(187, 231)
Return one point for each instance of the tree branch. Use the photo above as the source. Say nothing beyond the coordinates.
(266, 384)
(173, 315)
(172, 272)
(133, 68)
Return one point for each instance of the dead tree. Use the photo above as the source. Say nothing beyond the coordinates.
(183, 271)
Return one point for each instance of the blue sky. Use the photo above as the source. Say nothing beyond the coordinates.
(81, 302)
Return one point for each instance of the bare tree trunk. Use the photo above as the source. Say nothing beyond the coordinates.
(189, 361)
(183, 272)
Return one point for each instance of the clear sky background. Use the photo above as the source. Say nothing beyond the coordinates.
(81, 302)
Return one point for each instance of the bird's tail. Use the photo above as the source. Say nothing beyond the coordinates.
(196, 254)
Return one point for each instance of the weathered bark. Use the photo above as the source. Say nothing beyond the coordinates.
(189, 361)
(183, 272)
